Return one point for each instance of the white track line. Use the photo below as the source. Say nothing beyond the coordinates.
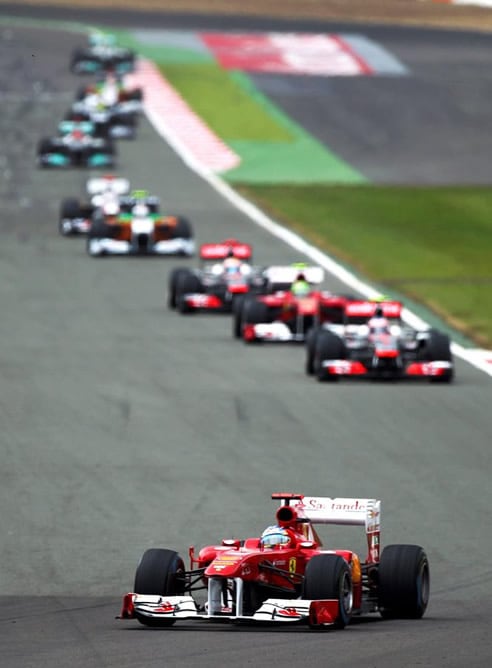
(165, 127)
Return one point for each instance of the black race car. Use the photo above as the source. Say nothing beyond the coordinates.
(102, 54)
(76, 146)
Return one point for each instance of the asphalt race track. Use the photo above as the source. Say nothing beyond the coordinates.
(125, 426)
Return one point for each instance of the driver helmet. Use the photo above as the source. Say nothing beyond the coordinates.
(111, 209)
(274, 536)
(140, 210)
(300, 287)
(378, 324)
(232, 264)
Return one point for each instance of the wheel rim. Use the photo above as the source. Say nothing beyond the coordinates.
(423, 585)
(346, 594)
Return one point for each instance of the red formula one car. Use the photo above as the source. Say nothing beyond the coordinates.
(374, 342)
(285, 575)
(288, 315)
(224, 274)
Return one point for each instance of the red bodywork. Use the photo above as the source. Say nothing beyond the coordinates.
(266, 575)
(246, 559)
(299, 313)
(236, 283)
(221, 250)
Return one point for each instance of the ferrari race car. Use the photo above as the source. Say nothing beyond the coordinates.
(283, 315)
(135, 226)
(224, 275)
(76, 146)
(76, 215)
(102, 54)
(373, 342)
(109, 111)
(285, 576)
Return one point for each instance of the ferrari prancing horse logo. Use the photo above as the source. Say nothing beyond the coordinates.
(292, 565)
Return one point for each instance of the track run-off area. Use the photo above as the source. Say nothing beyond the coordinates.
(125, 426)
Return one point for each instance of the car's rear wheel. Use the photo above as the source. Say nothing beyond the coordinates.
(160, 571)
(327, 576)
(404, 582)
(183, 229)
(439, 349)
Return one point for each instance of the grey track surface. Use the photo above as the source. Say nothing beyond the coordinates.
(124, 426)
(431, 126)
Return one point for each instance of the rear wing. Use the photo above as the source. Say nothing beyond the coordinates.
(223, 249)
(117, 185)
(324, 510)
(343, 511)
(365, 309)
(288, 274)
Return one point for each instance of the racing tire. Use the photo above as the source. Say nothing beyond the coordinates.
(237, 315)
(45, 145)
(69, 208)
(327, 576)
(254, 313)
(77, 55)
(174, 277)
(311, 338)
(183, 229)
(404, 582)
(327, 346)
(81, 93)
(100, 230)
(439, 348)
(160, 571)
(186, 284)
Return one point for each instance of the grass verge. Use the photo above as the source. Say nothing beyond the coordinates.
(432, 244)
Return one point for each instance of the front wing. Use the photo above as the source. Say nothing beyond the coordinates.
(344, 367)
(200, 301)
(168, 608)
(276, 332)
(78, 225)
(107, 246)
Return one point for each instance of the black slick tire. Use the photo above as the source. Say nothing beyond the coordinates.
(160, 571)
(404, 582)
(327, 576)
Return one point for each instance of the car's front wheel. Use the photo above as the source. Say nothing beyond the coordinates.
(327, 576)
(160, 571)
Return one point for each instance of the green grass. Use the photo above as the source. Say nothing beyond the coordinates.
(231, 112)
(432, 244)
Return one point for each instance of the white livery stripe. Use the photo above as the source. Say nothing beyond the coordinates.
(161, 101)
